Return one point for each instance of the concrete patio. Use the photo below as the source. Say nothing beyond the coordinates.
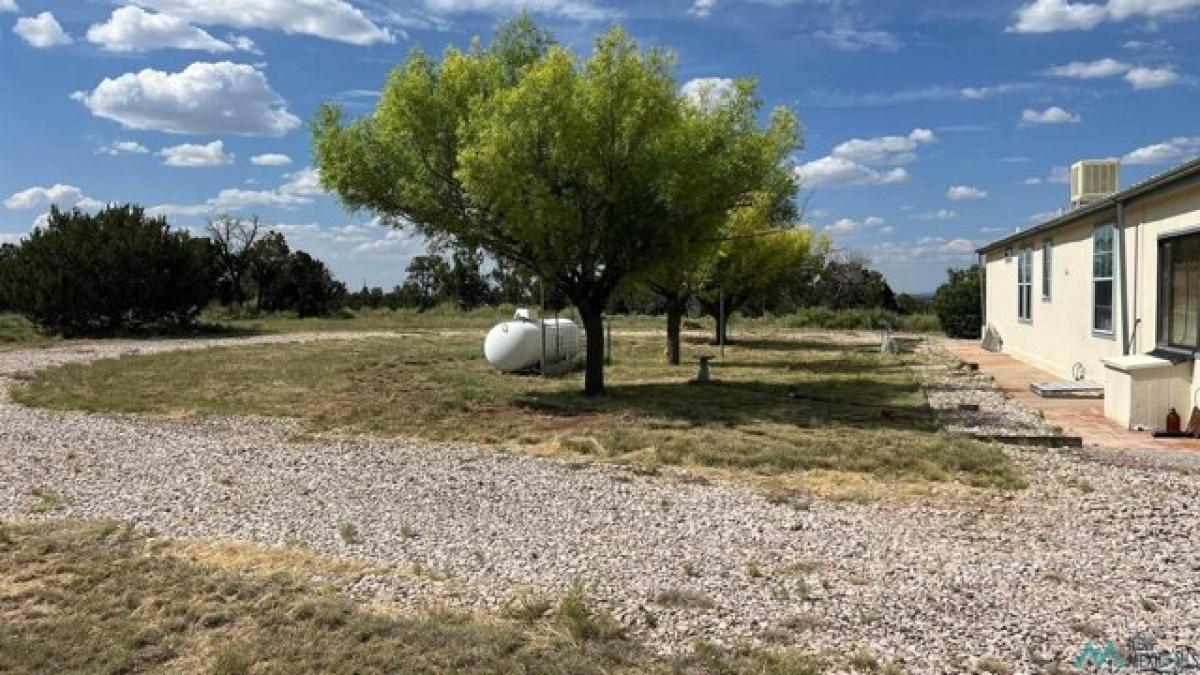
(1077, 417)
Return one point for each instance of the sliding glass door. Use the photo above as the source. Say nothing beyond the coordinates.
(1179, 292)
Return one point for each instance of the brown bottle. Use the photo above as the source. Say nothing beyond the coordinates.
(1173, 421)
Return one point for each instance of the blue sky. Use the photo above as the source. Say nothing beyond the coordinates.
(931, 127)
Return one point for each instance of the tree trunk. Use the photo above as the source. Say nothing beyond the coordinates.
(593, 377)
(675, 307)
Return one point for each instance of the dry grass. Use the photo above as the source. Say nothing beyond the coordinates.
(835, 412)
(17, 333)
(101, 597)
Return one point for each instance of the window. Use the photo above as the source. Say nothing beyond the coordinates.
(1103, 272)
(1047, 267)
(1179, 292)
(1025, 284)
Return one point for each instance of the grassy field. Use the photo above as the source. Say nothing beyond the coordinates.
(801, 411)
(99, 597)
(16, 332)
(442, 318)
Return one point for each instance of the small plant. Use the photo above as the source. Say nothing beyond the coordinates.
(753, 571)
(529, 609)
(805, 622)
(1055, 576)
(406, 532)
(1149, 605)
(689, 569)
(801, 568)
(231, 660)
(349, 534)
(583, 623)
(47, 501)
(683, 598)
(864, 661)
(1087, 629)
(994, 666)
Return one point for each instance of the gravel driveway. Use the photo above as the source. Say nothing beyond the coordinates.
(1093, 548)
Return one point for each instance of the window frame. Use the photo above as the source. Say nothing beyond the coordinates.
(1164, 280)
(1114, 263)
(1047, 270)
(1025, 284)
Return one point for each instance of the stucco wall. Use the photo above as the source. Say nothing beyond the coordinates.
(1060, 332)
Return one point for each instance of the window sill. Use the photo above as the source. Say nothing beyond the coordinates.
(1104, 335)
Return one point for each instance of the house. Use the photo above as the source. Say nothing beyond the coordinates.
(1108, 291)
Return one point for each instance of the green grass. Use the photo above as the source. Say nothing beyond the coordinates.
(16, 332)
(103, 598)
(443, 318)
(783, 407)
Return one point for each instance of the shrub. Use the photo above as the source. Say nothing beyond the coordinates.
(860, 319)
(303, 286)
(957, 303)
(95, 274)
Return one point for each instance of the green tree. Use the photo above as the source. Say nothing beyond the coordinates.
(761, 248)
(721, 165)
(558, 165)
(958, 304)
(96, 274)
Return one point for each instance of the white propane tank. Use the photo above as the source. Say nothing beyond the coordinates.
(517, 344)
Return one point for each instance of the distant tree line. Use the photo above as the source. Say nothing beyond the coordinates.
(120, 269)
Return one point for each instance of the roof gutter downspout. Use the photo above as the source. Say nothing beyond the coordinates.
(1125, 346)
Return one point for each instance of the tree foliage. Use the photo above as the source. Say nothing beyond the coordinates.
(87, 274)
(957, 302)
(571, 169)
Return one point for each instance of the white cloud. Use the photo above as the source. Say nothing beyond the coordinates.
(1152, 78)
(132, 29)
(42, 31)
(1059, 175)
(853, 40)
(924, 250)
(885, 150)
(1033, 180)
(123, 148)
(271, 159)
(854, 162)
(1175, 150)
(835, 172)
(9, 6)
(1140, 77)
(1051, 115)
(958, 193)
(330, 19)
(1088, 70)
(204, 98)
(848, 225)
(980, 93)
(1120, 10)
(708, 92)
(1047, 16)
(62, 196)
(702, 8)
(579, 10)
(300, 188)
(191, 155)
(940, 214)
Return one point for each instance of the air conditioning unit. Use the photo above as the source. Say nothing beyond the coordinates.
(1093, 180)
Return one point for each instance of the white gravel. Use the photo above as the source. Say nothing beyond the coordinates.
(935, 584)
